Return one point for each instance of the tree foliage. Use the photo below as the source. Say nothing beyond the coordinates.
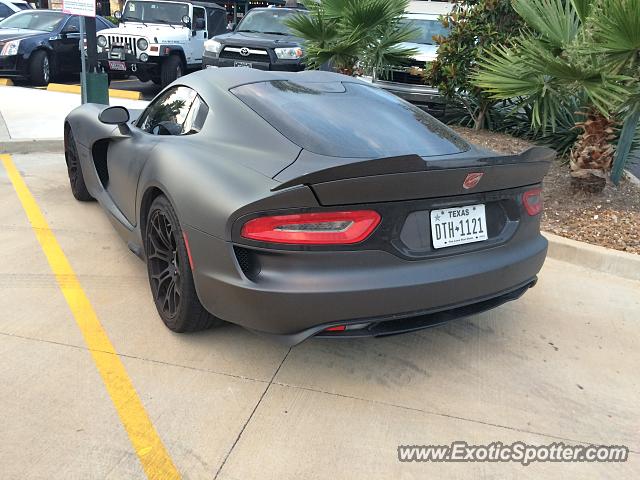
(476, 27)
(574, 51)
(351, 35)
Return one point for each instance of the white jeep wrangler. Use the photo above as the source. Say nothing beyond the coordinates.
(159, 40)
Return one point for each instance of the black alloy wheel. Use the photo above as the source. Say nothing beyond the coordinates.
(74, 170)
(170, 274)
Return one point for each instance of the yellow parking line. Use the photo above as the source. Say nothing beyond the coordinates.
(155, 459)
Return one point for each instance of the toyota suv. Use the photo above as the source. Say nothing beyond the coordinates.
(261, 40)
(159, 40)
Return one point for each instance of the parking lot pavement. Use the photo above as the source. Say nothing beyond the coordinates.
(560, 364)
(147, 89)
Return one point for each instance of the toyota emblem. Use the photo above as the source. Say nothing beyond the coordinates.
(472, 180)
(244, 51)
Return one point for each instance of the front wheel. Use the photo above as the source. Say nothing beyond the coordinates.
(40, 68)
(76, 178)
(171, 70)
(170, 274)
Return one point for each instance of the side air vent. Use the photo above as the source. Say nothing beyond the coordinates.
(99, 152)
(248, 262)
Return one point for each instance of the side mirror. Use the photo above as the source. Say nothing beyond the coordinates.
(117, 14)
(114, 116)
(186, 21)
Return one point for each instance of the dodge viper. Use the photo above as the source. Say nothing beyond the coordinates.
(308, 204)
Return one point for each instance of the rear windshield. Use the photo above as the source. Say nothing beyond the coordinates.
(348, 120)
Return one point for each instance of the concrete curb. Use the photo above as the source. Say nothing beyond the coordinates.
(32, 145)
(606, 260)
(130, 95)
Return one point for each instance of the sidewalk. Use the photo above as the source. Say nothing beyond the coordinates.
(30, 113)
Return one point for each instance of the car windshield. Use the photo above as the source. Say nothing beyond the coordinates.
(34, 20)
(327, 119)
(270, 20)
(155, 12)
(426, 30)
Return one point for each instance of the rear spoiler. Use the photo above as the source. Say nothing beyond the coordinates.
(416, 163)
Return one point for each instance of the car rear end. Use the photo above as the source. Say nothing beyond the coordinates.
(389, 244)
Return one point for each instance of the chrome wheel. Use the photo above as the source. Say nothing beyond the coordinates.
(45, 69)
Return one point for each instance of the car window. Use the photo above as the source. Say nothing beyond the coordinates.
(266, 21)
(327, 119)
(216, 21)
(196, 116)
(102, 24)
(44, 21)
(73, 25)
(154, 12)
(425, 30)
(5, 11)
(199, 22)
(22, 6)
(178, 111)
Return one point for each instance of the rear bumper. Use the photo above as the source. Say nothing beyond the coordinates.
(298, 294)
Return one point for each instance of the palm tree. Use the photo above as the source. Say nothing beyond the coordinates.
(353, 35)
(562, 58)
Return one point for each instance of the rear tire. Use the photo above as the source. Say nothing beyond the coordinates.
(170, 275)
(171, 69)
(74, 169)
(40, 68)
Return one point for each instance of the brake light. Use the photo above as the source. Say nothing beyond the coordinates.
(337, 328)
(326, 228)
(532, 201)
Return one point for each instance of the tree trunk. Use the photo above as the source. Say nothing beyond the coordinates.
(478, 123)
(592, 154)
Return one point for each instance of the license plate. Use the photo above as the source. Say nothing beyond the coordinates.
(114, 65)
(243, 64)
(457, 226)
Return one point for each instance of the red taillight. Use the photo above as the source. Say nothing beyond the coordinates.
(532, 201)
(337, 328)
(326, 228)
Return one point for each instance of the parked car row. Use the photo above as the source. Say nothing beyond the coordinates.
(159, 41)
(9, 7)
(41, 44)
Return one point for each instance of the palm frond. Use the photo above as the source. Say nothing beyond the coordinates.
(616, 33)
(556, 21)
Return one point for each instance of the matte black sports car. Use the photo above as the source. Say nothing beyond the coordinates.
(310, 203)
(40, 44)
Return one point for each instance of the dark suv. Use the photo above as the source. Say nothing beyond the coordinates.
(261, 40)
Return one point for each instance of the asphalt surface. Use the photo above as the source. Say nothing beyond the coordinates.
(559, 365)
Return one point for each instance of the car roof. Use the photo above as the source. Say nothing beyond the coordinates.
(197, 3)
(279, 9)
(421, 16)
(225, 79)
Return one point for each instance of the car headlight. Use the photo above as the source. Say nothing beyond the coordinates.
(142, 44)
(102, 41)
(289, 53)
(10, 48)
(212, 46)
